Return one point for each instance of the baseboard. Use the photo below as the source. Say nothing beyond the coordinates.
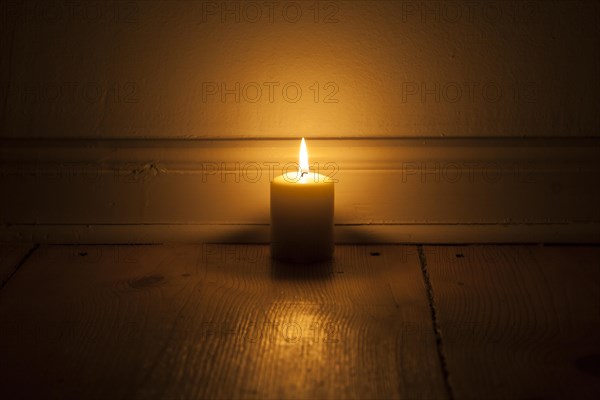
(470, 190)
(344, 234)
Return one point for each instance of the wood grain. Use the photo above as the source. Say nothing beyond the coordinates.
(217, 321)
(518, 322)
(11, 255)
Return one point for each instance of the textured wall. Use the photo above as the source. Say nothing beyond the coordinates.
(364, 68)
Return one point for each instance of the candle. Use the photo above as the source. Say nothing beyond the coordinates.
(302, 214)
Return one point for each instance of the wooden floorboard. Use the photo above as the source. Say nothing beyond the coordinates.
(217, 321)
(11, 256)
(518, 322)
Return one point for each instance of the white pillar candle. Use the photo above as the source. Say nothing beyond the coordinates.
(302, 215)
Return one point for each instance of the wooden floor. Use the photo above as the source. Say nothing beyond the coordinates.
(224, 321)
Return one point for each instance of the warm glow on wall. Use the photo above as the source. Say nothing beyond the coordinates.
(328, 69)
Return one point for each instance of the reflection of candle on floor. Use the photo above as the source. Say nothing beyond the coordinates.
(302, 215)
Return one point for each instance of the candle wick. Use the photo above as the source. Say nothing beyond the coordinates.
(302, 173)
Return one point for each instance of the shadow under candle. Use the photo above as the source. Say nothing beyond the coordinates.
(281, 270)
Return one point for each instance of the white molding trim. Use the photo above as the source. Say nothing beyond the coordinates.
(575, 233)
(402, 190)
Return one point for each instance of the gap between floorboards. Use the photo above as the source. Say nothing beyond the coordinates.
(436, 328)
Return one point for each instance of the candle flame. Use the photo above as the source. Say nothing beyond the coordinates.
(303, 158)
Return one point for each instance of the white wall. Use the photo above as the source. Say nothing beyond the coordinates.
(100, 101)
(382, 68)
